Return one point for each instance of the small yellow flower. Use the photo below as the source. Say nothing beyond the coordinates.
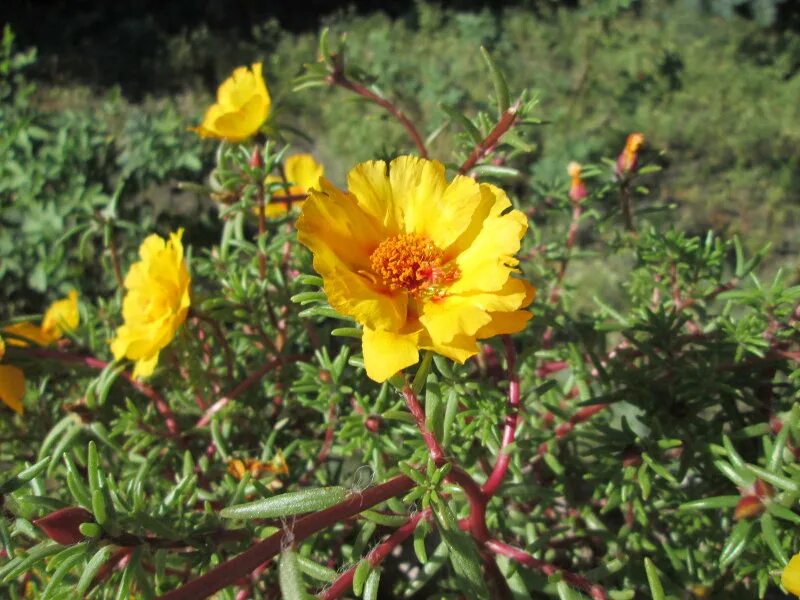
(242, 107)
(156, 302)
(790, 578)
(419, 262)
(277, 466)
(302, 172)
(61, 317)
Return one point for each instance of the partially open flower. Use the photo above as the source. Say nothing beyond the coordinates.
(242, 106)
(419, 262)
(302, 173)
(628, 160)
(156, 303)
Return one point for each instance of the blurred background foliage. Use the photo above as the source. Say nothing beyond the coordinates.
(96, 98)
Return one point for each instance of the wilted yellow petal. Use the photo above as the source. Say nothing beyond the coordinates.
(12, 387)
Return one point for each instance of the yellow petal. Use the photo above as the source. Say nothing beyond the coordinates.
(386, 353)
(486, 249)
(369, 183)
(467, 314)
(145, 366)
(2, 348)
(28, 331)
(790, 578)
(431, 207)
(303, 171)
(12, 387)
(504, 323)
(459, 349)
(61, 317)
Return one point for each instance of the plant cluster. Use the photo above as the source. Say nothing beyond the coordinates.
(353, 390)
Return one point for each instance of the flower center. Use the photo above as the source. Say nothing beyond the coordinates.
(413, 263)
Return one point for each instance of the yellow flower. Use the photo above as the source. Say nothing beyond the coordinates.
(156, 302)
(302, 172)
(61, 317)
(790, 578)
(242, 107)
(419, 262)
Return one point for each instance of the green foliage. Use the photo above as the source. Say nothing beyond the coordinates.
(654, 448)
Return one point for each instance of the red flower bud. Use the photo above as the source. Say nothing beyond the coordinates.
(763, 489)
(62, 526)
(256, 162)
(748, 507)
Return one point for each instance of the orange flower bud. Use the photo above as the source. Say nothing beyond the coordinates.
(577, 189)
(628, 159)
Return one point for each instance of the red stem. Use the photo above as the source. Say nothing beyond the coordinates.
(512, 419)
(488, 143)
(240, 566)
(340, 79)
(96, 363)
(594, 590)
(241, 387)
(415, 408)
(376, 556)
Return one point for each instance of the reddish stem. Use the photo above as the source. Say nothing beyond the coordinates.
(376, 556)
(512, 419)
(415, 408)
(487, 145)
(339, 78)
(240, 566)
(594, 590)
(241, 387)
(96, 363)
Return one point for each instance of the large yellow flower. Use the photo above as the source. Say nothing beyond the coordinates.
(155, 304)
(302, 172)
(419, 262)
(242, 107)
(790, 578)
(61, 317)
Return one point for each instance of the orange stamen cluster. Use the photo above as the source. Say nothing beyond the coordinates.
(413, 263)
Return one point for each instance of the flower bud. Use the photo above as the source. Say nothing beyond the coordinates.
(748, 507)
(628, 160)
(63, 526)
(577, 189)
(256, 160)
